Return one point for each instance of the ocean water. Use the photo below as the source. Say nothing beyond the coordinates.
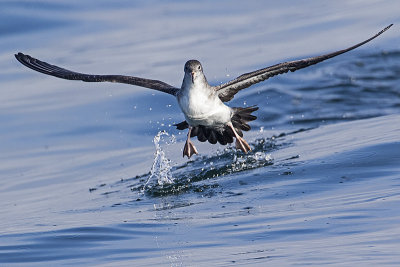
(93, 175)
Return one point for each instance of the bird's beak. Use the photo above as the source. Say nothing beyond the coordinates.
(193, 74)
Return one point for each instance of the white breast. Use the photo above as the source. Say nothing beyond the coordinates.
(202, 108)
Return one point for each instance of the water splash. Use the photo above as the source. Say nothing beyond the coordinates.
(251, 161)
(161, 169)
(203, 173)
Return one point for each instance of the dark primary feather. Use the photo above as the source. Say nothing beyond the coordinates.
(56, 71)
(228, 90)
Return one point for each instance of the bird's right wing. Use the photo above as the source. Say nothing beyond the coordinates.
(228, 90)
(56, 71)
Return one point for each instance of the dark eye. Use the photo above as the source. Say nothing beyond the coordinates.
(199, 67)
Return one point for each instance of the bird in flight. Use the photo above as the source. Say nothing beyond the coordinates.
(206, 115)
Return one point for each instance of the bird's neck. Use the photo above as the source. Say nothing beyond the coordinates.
(199, 84)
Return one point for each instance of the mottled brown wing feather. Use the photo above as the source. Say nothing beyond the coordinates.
(228, 90)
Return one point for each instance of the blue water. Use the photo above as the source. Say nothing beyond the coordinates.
(93, 174)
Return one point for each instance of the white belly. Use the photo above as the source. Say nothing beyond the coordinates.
(201, 109)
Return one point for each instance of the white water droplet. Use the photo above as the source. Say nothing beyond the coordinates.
(161, 169)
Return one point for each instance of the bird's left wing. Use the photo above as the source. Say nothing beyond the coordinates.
(228, 90)
(56, 71)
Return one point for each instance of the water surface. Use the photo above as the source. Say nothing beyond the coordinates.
(81, 164)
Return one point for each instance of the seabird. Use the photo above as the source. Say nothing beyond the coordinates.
(206, 115)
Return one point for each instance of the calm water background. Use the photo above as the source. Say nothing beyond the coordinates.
(322, 185)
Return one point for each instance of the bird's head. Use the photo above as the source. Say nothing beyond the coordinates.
(194, 70)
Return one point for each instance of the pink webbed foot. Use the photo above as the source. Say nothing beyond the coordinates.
(240, 142)
(189, 148)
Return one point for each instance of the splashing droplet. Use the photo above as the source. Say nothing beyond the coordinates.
(161, 169)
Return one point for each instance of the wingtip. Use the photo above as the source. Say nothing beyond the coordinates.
(19, 56)
(24, 59)
(387, 27)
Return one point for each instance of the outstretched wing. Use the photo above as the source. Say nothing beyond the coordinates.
(228, 90)
(53, 70)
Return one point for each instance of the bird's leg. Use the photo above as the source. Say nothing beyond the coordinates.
(240, 142)
(189, 148)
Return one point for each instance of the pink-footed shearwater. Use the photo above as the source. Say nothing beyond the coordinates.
(206, 115)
